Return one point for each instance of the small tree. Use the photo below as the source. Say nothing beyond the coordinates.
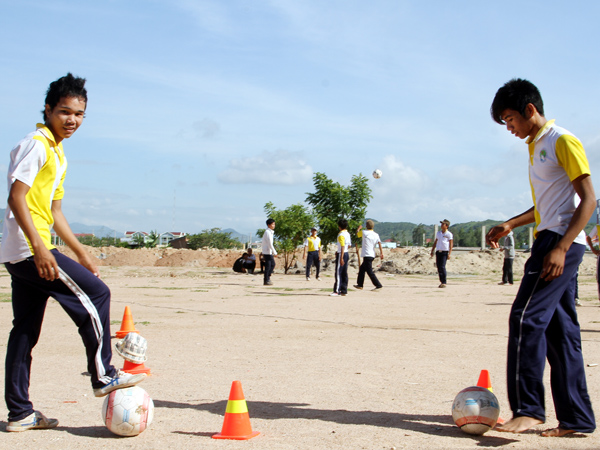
(332, 201)
(152, 239)
(292, 225)
(213, 238)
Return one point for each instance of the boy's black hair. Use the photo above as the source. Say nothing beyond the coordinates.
(67, 86)
(342, 223)
(516, 94)
(270, 221)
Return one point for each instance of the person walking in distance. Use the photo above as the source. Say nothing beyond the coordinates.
(268, 251)
(369, 240)
(442, 246)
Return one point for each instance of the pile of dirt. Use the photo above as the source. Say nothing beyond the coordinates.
(414, 260)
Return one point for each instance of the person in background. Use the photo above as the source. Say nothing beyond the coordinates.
(509, 257)
(313, 243)
(442, 246)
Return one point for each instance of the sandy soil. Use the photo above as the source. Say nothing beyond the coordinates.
(372, 370)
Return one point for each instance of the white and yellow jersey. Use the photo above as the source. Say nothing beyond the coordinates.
(343, 241)
(556, 158)
(40, 163)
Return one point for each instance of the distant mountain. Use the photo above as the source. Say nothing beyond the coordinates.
(96, 230)
(243, 238)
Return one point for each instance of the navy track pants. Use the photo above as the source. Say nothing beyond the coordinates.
(543, 324)
(84, 297)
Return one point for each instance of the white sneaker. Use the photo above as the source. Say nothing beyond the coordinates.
(334, 294)
(34, 421)
(318, 279)
(121, 380)
(307, 278)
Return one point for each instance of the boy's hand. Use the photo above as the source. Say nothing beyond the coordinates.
(86, 261)
(46, 264)
(496, 233)
(554, 264)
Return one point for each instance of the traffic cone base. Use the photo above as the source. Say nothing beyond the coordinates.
(486, 382)
(236, 424)
(133, 368)
(127, 325)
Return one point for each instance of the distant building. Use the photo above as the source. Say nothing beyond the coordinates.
(166, 238)
(388, 243)
(131, 237)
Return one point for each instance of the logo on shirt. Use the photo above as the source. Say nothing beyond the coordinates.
(543, 156)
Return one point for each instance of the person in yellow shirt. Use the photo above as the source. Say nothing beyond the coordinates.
(38, 270)
(313, 243)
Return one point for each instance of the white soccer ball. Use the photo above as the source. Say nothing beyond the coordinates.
(128, 411)
(475, 410)
(377, 173)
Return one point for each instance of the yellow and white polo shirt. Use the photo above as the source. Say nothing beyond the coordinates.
(41, 164)
(556, 158)
(313, 243)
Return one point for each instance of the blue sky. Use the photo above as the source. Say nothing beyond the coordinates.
(200, 112)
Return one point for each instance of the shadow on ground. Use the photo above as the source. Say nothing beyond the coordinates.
(437, 425)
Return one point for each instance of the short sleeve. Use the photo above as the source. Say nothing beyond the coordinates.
(571, 156)
(27, 159)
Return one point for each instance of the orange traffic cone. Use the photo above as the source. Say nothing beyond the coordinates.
(237, 421)
(485, 382)
(134, 368)
(127, 325)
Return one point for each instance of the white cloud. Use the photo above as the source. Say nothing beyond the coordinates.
(281, 167)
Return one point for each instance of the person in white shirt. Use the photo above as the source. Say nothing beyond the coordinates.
(268, 251)
(369, 240)
(442, 246)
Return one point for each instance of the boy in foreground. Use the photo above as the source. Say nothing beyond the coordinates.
(543, 319)
(38, 270)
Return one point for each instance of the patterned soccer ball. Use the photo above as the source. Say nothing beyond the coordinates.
(128, 411)
(377, 173)
(475, 410)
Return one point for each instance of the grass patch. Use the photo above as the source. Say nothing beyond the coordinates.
(5, 297)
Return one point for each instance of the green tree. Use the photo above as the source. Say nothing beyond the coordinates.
(417, 235)
(292, 225)
(213, 238)
(332, 201)
(152, 239)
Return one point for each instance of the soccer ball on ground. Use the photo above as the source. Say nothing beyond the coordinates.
(475, 410)
(377, 173)
(128, 411)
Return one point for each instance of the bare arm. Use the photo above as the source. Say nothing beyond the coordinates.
(503, 229)
(451, 243)
(42, 257)
(380, 250)
(591, 244)
(62, 228)
(433, 247)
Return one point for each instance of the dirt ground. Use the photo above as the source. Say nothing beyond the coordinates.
(372, 370)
